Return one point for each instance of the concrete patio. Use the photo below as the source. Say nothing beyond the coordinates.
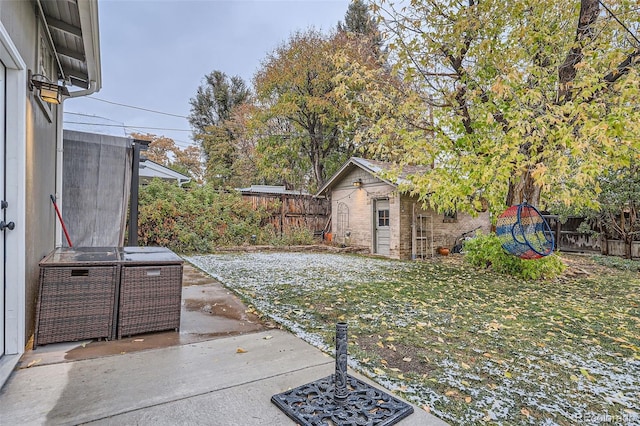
(221, 369)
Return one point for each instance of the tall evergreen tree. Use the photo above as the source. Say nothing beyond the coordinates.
(359, 21)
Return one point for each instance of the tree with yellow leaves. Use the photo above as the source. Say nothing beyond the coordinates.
(511, 101)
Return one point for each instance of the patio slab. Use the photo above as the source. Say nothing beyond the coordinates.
(227, 381)
(221, 369)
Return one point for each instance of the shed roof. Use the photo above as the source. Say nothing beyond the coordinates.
(374, 167)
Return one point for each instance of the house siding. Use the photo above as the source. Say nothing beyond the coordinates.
(42, 129)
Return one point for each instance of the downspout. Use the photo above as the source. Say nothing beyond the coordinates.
(59, 167)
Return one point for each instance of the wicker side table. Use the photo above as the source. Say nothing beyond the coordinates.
(150, 290)
(78, 290)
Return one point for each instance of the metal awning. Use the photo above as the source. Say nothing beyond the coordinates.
(72, 29)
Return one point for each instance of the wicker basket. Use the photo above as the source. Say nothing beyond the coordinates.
(79, 303)
(150, 299)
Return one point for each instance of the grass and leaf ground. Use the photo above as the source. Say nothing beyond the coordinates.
(466, 344)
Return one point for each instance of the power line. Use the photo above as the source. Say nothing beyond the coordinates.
(124, 125)
(136, 107)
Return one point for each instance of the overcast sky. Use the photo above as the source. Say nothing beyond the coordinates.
(155, 53)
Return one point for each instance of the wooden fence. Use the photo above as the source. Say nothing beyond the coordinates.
(293, 211)
(568, 239)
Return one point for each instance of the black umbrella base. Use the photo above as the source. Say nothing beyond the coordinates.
(314, 404)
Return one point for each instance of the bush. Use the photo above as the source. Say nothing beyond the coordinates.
(197, 220)
(618, 263)
(485, 250)
(294, 237)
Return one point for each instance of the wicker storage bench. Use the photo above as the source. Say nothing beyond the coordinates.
(150, 290)
(78, 292)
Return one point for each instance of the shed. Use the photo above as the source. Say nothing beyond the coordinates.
(370, 211)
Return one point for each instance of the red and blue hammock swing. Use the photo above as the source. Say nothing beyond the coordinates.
(523, 232)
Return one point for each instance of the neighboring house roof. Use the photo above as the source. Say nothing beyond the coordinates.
(72, 28)
(373, 167)
(270, 189)
(150, 169)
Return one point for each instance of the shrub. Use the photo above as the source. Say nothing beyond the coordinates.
(618, 263)
(293, 237)
(197, 220)
(485, 250)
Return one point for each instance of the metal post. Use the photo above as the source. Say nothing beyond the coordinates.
(341, 392)
(137, 145)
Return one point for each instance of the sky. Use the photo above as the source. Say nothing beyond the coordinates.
(155, 53)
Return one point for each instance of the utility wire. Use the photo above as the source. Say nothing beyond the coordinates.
(135, 107)
(123, 125)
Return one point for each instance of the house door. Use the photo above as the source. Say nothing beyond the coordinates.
(382, 233)
(3, 311)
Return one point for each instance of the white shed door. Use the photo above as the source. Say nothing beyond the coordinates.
(382, 220)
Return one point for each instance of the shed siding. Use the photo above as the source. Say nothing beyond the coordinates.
(445, 233)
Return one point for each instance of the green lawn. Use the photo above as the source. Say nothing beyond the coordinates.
(468, 345)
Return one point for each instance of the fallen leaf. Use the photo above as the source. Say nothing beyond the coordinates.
(406, 359)
(525, 412)
(508, 374)
(465, 365)
(241, 351)
(468, 400)
(34, 362)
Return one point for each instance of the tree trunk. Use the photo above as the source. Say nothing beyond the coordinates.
(523, 188)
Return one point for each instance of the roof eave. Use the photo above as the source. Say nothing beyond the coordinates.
(353, 161)
(88, 11)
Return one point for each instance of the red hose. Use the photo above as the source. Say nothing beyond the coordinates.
(64, 228)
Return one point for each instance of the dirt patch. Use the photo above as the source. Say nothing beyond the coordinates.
(403, 357)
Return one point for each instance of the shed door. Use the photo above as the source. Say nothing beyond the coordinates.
(381, 220)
